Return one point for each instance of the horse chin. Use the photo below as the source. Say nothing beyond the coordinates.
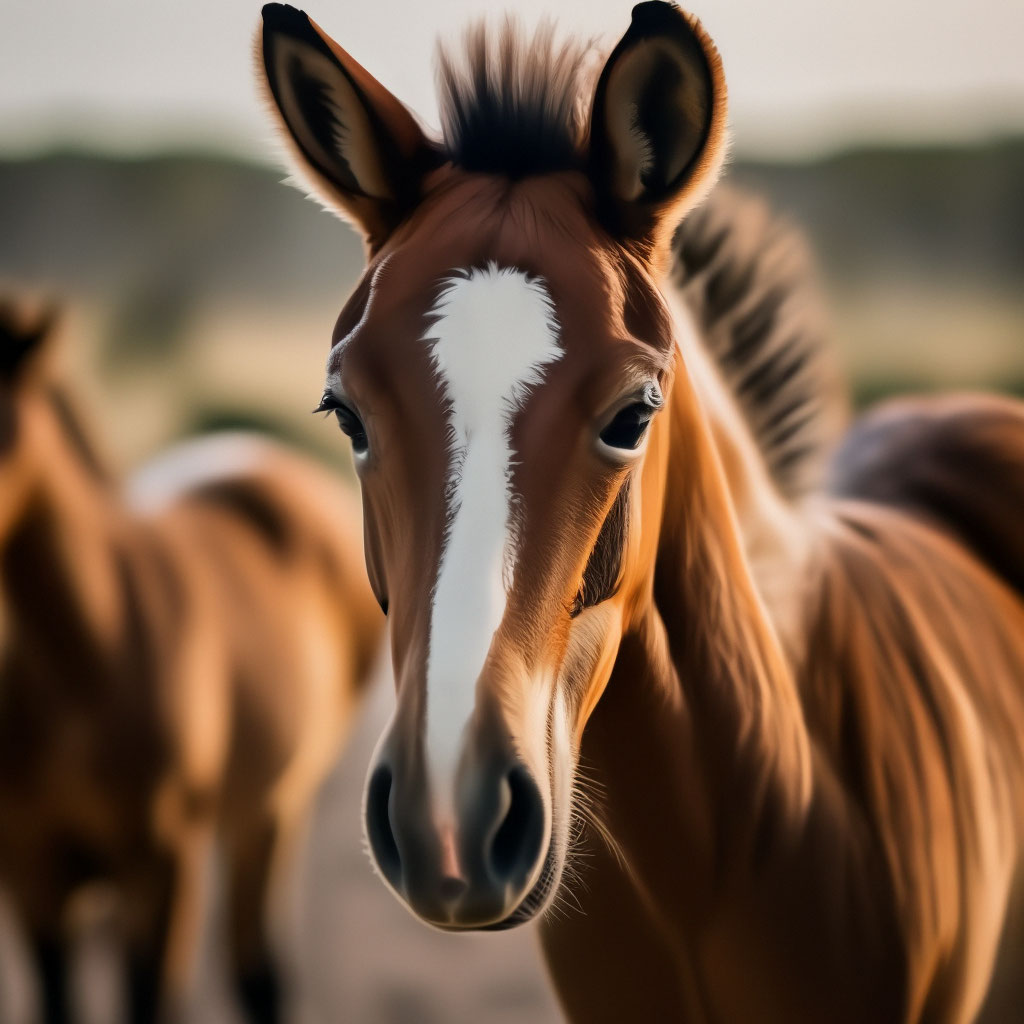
(536, 901)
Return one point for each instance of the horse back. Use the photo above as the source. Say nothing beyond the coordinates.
(270, 544)
(955, 461)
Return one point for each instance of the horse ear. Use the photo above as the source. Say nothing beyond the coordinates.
(658, 123)
(356, 145)
(24, 331)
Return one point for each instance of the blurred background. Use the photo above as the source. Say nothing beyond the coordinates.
(140, 185)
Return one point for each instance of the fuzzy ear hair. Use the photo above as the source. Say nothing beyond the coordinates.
(359, 148)
(24, 330)
(658, 123)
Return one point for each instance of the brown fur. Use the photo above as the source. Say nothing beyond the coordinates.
(951, 460)
(869, 881)
(168, 676)
(796, 724)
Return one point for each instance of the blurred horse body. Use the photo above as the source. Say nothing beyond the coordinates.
(177, 665)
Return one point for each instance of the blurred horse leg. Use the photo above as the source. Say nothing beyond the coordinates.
(252, 850)
(50, 955)
(39, 900)
(164, 920)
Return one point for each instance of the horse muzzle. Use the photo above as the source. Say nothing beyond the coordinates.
(468, 851)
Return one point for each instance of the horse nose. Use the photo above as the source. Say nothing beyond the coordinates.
(467, 867)
(512, 849)
(379, 832)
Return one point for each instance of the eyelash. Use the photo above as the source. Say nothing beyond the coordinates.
(349, 421)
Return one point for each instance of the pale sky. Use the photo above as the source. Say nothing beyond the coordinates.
(805, 76)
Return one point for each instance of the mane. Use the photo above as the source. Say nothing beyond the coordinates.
(748, 279)
(78, 437)
(513, 104)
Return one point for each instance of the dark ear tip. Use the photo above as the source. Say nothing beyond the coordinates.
(23, 326)
(654, 14)
(284, 17)
(285, 20)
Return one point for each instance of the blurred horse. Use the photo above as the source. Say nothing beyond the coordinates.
(176, 664)
(595, 511)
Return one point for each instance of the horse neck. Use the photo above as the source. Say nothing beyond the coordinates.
(720, 519)
(772, 532)
(702, 696)
(61, 585)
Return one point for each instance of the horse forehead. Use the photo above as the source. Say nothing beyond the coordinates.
(400, 296)
(491, 331)
(494, 298)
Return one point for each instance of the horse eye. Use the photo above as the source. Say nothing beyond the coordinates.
(351, 425)
(627, 429)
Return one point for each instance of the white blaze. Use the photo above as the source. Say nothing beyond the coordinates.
(492, 336)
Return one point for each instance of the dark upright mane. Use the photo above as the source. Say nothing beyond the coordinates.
(747, 276)
(517, 106)
(514, 105)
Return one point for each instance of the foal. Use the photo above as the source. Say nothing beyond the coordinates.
(171, 668)
(593, 509)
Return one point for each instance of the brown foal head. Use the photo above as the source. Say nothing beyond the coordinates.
(500, 370)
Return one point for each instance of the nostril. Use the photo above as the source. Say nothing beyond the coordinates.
(517, 842)
(378, 824)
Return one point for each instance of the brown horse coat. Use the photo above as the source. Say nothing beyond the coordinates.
(795, 713)
(176, 663)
